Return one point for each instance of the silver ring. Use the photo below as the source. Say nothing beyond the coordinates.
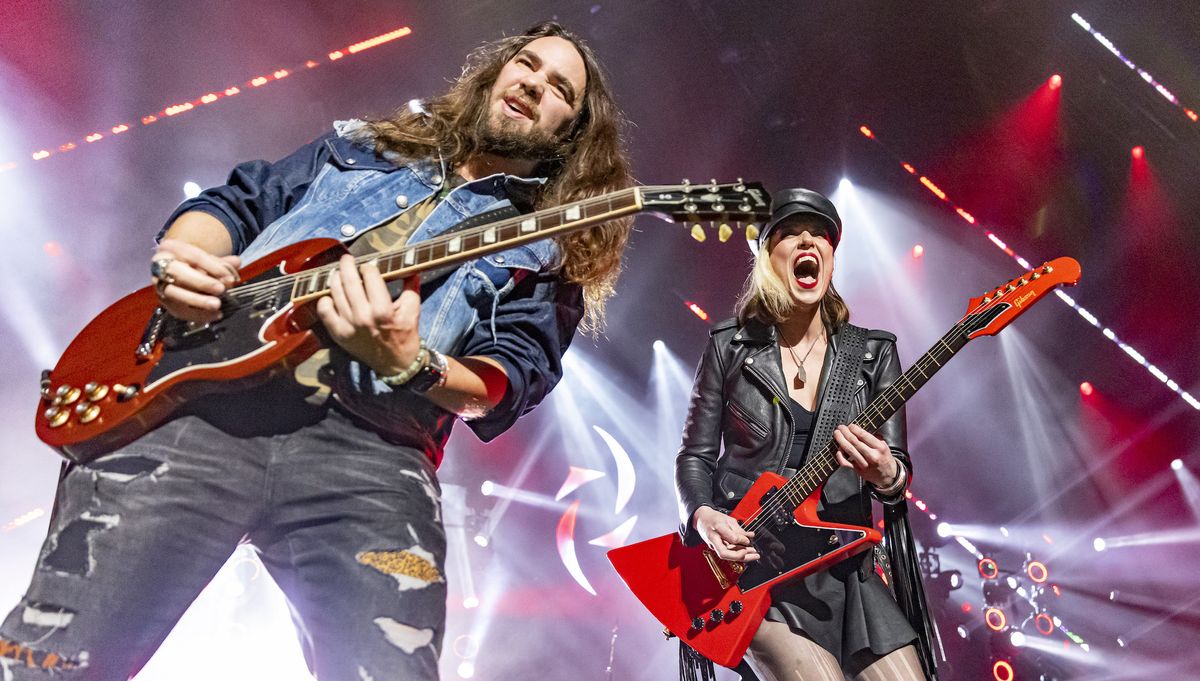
(158, 270)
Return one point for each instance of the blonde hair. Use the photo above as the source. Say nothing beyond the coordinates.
(768, 299)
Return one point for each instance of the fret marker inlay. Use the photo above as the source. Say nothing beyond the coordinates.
(529, 225)
(572, 213)
(489, 235)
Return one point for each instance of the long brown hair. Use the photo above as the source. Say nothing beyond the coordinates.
(766, 297)
(593, 161)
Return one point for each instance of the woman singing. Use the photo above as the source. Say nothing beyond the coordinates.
(759, 390)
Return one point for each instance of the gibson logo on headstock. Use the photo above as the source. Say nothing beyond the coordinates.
(1021, 300)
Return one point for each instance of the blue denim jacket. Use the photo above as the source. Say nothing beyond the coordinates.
(510, 306)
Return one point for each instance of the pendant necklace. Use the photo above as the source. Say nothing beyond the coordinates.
(800, 376)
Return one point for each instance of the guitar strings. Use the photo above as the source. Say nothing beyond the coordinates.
(254, 293)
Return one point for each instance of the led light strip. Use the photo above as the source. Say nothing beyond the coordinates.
(23, 519)
(1088, 316)
(212, 97)
(1159, 87)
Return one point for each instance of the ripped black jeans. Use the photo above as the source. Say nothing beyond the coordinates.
(348, 524)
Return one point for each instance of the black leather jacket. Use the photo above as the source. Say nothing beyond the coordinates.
(739, 405)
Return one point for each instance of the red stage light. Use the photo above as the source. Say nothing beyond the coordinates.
(39, 155)
(696, 309)
(1192, 115)
(1055, 82)
(52, 249)
(93, 137)
(988, 569)
(118, 129)
(966, 607)
(866, 131)
(911, 170)
(994, 619)
(1086, 388)
(965, 215)
(1037, 571)
(1138, 152)
(1002, 671)
(1044, 624)
(918, 251)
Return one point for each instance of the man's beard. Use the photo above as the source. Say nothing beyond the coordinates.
(503, 137)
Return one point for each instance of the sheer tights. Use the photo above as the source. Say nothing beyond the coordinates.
(779, 654)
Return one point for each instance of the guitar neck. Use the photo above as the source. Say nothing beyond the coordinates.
(823, 464)
(468, 244)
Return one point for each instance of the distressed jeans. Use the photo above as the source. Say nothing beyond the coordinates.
(348, 524)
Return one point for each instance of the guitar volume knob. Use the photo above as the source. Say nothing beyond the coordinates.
(87, 411)
(735, 608)
(716, 615)
(56, 416)
(697, 623)
(94, 392)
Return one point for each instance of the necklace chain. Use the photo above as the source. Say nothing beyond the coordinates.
(800, 375)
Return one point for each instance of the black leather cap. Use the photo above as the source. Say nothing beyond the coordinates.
(789, 203)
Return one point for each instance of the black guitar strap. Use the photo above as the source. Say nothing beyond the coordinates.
(843, 382)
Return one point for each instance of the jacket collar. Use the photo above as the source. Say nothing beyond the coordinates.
(763, 337)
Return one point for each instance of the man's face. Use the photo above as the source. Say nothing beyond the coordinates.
(535, 98)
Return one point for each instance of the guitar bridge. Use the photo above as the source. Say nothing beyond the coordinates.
(714, 564)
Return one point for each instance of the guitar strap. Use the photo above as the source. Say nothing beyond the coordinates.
(843, 383)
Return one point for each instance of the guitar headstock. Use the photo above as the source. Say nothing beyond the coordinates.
(725, 206)
(991, 312)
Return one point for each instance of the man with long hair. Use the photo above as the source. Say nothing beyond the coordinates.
(332, 476)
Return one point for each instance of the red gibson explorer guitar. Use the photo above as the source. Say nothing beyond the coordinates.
(716, 606)
(134, 364)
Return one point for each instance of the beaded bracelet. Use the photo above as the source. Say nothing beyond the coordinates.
(418, 363)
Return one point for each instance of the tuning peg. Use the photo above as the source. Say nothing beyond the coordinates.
(1036, 275)
(751, 232)
(987, 298)
(1023, 281)
(740, 186)
(724, 232)
(698, 233)
(1010, 288)
(687, 185)
(712, 185)
(1047, 269)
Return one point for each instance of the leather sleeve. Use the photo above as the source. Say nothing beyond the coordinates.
(697, 458)
(895, 430)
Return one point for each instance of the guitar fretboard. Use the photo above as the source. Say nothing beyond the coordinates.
(468, 244)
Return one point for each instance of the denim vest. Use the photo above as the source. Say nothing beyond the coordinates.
(338, 188)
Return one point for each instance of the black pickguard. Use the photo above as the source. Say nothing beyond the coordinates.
(784, 544)
(233, 336)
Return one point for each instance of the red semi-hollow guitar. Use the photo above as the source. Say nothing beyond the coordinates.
(715, 606)
(134, 364)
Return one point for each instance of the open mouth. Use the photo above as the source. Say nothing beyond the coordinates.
(519, 107)
(806, 270)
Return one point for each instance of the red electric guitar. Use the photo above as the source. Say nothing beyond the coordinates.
(134, 364)
(716, 606)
